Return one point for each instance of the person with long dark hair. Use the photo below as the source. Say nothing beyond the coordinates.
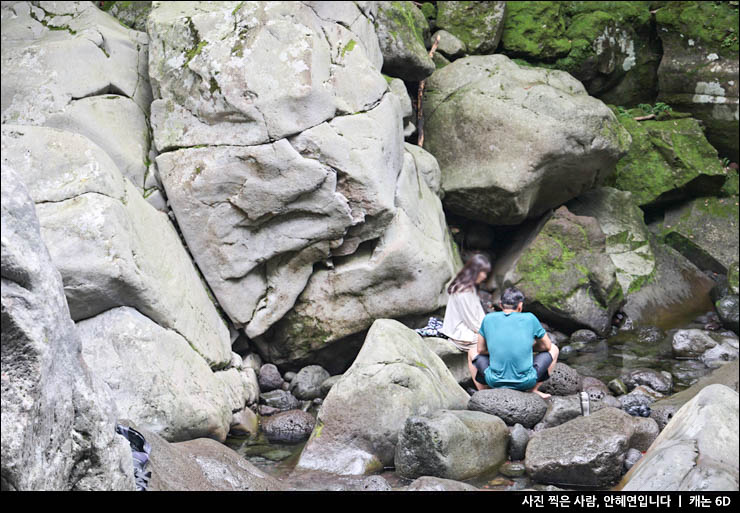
(464, 313)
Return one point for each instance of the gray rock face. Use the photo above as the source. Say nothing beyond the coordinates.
(92, 216)
(641, 396)
(155, 377)
(561, 409)
(307, 383)
(393, 377)
(291, 426)
(402, 31)
(57, 429)
(646, 431)
(480, 114)
(455, 360)
(512, 406)
(454, 445)
(697, 450)
(587, 451)
(691, 343)
(280, 399)
(74, 67)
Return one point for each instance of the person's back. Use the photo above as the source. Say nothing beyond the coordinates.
(509, 338)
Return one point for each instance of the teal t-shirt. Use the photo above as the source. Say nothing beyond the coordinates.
(509, 338)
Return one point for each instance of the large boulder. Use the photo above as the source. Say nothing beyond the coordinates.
(699, 69)
(478, 25)
(402, 33)
(704, 230)
(609, 47)
(394, 376)
(508, 138)
(111, 246)
(697, 450)
(155, 377)
(454, 445)
(58, 428)
(402, 274)
(202, 464)
(586, 451)
(69, 65)
(563, 269)
(670, 159)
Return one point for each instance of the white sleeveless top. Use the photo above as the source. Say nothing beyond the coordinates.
(463, 316)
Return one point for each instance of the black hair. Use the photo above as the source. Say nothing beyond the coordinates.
(465, 279)
(512, 297)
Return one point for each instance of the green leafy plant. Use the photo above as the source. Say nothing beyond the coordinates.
(655, 109)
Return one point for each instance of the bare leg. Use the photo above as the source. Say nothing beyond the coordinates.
(472, 353)
(554, 352)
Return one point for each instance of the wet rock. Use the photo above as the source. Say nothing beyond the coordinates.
(244, 423)
(697, 450)
(328, 383)
(512, 406)
(513, 469)
(202, 465)
(584, 337)
(289, 377)
(454, 445)
(646, 431)
(269, 378)
(436, 484)
(518, 442)
(266, 411)
(725, 351)
(587, 451)
(660, 381)
(596, 389)
(290, 427)
(375, 484)
(728, 309)
(632, 457)
(564, 381)
(638, 398)
(307, 383)
(280, 399)
(561, 409)
(664, 409)
(691, 343)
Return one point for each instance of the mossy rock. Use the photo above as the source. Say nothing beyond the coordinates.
(608, 46)
(402, 33)
(477, 24)
(705, 231)
(565, 273)
(718, 29)
(132, 14)
(668, 160)
(732, 278)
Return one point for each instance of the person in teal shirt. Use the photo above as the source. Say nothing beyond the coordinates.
(514, 350)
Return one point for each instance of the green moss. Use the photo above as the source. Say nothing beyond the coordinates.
(348, 47)
(715, 24)
(535, 31)
(194, 51)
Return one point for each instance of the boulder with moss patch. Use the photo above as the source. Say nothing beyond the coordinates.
(669, 159)
(564, 271)
(478, 25)
(402, 33)
(704, 230)
(699, 69)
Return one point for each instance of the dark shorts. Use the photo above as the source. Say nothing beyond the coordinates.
(541, 362)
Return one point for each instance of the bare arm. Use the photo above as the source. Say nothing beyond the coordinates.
(482, 348)
(542, 344)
